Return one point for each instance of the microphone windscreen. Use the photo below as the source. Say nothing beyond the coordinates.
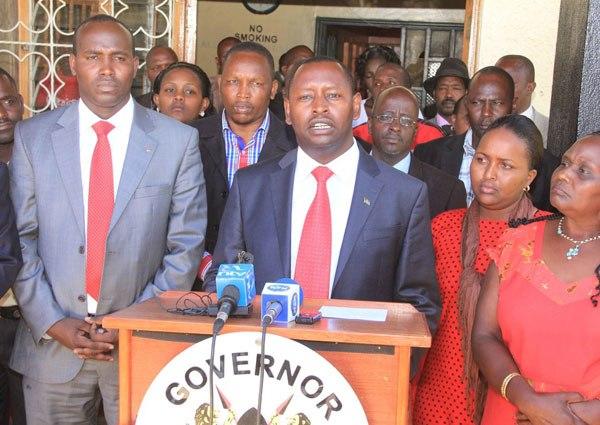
(242, 277)
(286, 294)
(292, 281)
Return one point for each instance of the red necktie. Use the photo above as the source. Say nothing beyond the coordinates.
(101, 201)
(243, 163)
(313, 262)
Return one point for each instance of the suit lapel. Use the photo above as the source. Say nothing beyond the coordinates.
(366, 191)
(416, 168)
(282, 182)
(65, 143)
(453, 159)
(140, 150)
(215, 144)
(274, 141)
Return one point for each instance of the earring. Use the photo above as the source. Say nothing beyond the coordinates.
(526, 188)
(201, 113)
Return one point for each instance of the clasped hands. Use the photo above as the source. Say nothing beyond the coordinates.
(86, 338)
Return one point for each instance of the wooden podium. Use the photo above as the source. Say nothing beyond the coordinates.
(150, 336)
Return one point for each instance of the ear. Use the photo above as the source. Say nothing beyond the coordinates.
(155, 99)
(514, 105)
(205, 104)
(136, 64)
(72, 65)
(286, 107)
(21, 104)
(274, 87)
(356, 105)
(370, 125)
(531, 87)
(530, 176)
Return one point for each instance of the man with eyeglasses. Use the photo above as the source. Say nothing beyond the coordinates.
(393, 127)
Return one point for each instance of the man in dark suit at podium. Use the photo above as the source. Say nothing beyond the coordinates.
(341, 223)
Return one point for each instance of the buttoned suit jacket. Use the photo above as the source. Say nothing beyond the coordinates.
(212, 148)
(386, 253)
(447, 153)
(10, 251)
(155, 237)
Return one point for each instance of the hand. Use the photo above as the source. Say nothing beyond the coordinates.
(75, 335)
(100, 334)
(550, 409)
(588, 411)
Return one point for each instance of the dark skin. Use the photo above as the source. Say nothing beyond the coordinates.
(320, 106)
(392, 142)
(575, 193)
(11, 112)
(524, 84)
(105, 66)
(295, 55)
(158, 58)
(489, 98)
(247, 86)
(448, 90)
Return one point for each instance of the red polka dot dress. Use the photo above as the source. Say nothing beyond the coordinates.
(441, 391)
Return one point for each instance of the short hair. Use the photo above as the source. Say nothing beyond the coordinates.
(317, 59)
(526, 130)
(252, 47)
(202, 77)
(523, 62)
(386, 53)
(495, 70)
(399, 68)
(156, 47)
(460, 102)
(101, 18)
(389, 92)
(5, 74)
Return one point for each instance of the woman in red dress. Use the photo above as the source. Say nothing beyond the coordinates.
(501, 171)
(536, 335)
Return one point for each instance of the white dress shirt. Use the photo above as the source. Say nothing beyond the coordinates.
(404, 164)
(118, 138)
(340, 188)
(464, 174)
(528, 112)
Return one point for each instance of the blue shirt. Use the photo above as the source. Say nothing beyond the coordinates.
(235, 145)
(404, 164)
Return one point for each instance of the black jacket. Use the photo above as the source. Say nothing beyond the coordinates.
(446, 154)
(10, 249)
(212, 149)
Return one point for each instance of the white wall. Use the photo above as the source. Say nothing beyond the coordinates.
(520, 27)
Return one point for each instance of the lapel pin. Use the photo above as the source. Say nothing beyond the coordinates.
(366, 201)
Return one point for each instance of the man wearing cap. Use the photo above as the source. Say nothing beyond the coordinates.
(447, 86)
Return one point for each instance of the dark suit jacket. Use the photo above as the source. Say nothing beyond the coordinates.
(445, 191)
(212, 150)
(145, 100)
(10, 249)
(386, 253)
(446, 154)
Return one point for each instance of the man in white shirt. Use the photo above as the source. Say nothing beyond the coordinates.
(341, 223)
(522, 71)
(111, 210)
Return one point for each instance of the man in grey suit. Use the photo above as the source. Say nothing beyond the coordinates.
(111, 211)
(522, 71)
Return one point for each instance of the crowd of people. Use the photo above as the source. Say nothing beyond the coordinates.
(333, 179)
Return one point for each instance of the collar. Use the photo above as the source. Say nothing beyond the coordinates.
(468, 143)
(404, 164)
(528, 112)
(264, 126)
(121, 119)
(344, 166)
(440, 121)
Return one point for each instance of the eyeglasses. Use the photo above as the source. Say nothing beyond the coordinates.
(403, 120)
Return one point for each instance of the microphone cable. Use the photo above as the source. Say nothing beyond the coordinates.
(261, 374)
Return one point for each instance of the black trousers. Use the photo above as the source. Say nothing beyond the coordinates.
(11, 388)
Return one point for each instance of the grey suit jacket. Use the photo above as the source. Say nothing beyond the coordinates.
(155, 238)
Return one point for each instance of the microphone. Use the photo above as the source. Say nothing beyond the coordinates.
(227, 304)
(280, 302)
(236, 289)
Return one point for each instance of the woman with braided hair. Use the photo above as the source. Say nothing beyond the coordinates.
(536, 334)
(449, 390)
